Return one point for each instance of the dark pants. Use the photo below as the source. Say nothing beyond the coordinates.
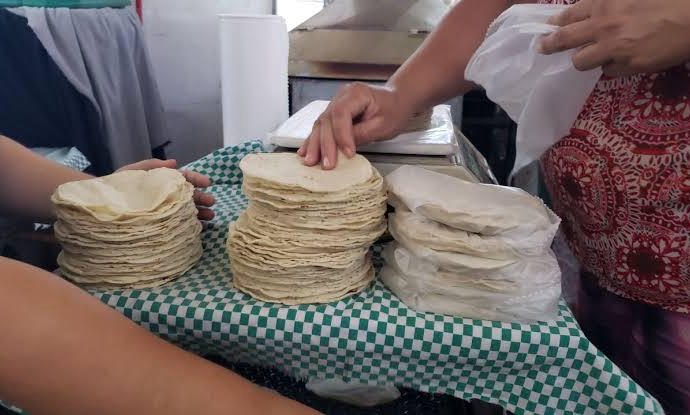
(650, 344)
(39, 107)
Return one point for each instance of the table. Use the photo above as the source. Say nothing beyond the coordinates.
(373, 338)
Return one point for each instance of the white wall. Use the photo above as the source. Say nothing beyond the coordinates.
(297, 11)
(182, 36)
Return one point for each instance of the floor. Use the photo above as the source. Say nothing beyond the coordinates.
(410, 402)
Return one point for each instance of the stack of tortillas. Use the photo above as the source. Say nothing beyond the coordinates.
(306, 234)
(470, 250)
(131, 229)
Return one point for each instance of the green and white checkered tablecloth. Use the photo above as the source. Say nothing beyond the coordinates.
(374, 338)
(67, 156)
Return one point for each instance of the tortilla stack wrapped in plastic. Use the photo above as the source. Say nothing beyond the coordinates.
(470, 250)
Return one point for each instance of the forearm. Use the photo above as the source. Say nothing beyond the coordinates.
(63, 352)
(27, 181)
(435, 73)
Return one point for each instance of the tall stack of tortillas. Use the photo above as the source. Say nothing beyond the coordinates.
(306, 234)
(132, 229)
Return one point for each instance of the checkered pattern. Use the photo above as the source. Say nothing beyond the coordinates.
(76, 160)
(67, 156)
(373, 337)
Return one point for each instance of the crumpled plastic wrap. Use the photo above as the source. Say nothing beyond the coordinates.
(416, 283)
(357, 394)
(543, 94)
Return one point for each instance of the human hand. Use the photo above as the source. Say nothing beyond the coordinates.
(203, 200)
(623, 36)
(357, 115)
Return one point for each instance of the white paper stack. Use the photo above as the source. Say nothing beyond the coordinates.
(438, 140)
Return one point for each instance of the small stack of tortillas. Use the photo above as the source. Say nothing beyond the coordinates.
(306, 234)
(131, 229)
(470, 250)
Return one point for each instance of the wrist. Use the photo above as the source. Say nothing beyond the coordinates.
(408, 99)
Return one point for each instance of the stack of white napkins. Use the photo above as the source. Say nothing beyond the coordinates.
(470, 250)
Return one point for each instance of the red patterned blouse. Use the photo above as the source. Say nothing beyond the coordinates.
(621, 182)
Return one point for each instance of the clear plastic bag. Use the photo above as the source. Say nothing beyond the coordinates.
(543, 94)
(439, 236)
(357, 394)
(479, 208)
(478, 251)
(570, 269)
(525, 297)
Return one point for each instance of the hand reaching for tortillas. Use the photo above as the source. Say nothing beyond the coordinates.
(203, 200)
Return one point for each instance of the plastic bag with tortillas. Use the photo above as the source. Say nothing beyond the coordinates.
(425, 287)
(478, 208)
(470, 250)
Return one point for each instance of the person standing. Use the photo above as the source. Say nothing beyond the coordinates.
(620, 179)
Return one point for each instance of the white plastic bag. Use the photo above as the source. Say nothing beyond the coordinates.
(445, 280)
(543, 94)
(479, 208)
(357, 394)
(528, 272)
(570, 269)
(423, 286)
(505, 271)
(439, 236)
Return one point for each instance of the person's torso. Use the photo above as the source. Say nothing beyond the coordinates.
(621, 182)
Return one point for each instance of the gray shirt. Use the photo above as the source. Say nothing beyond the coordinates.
(102, 52)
